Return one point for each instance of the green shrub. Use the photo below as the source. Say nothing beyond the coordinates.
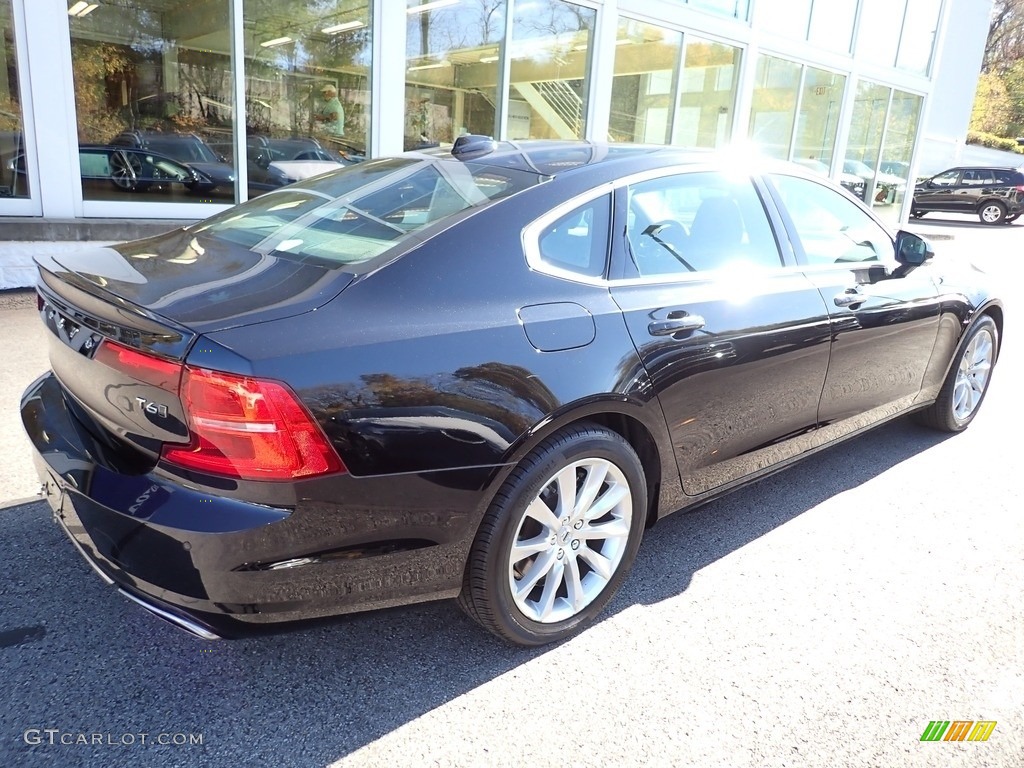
(994, 142)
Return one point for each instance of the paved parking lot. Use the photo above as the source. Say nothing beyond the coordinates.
(819, 618)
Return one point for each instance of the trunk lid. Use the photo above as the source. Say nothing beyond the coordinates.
(156, 297)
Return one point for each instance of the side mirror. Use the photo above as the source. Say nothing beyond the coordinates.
(912, 250)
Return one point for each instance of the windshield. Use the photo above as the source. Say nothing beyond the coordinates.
(351, 216)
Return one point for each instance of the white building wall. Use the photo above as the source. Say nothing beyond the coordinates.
(955, 79)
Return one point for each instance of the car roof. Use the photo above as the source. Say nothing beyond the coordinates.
(552, 158)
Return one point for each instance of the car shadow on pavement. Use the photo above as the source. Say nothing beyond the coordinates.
(80, 657)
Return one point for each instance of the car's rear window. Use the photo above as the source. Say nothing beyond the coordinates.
(359, 212)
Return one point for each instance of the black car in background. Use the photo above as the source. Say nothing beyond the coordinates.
(213, 173)
(479, 374)
(106, 167)
(994, 194)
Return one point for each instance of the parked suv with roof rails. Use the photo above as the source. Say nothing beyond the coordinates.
(994, 194)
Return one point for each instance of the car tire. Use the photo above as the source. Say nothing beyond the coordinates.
(967, 381)
(992, 212)
(534, 575)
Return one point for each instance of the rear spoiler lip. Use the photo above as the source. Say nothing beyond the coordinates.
(91, 307)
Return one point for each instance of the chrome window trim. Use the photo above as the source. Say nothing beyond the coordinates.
(532, 232)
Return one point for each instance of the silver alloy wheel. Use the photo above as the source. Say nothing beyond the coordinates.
(570, 540)
(972, 375)
(124, 170)
(991, 213)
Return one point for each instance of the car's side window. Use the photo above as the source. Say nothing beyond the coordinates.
(1004, 177)
(978, 177)
(578, 241)
(831, 228)
(947, 179)
(697, 222)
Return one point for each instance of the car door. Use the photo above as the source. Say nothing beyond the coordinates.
(884, 317)
(735, 343)
(939, 193)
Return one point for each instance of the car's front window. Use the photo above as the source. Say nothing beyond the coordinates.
(831, 228)
(356, 214)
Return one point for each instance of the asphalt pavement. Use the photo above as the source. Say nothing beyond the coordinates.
(821, 617)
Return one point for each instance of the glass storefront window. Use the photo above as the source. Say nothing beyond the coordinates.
(866, 129)
(897, 151)
(307, 88)
(13, 170)
(773, 107)
(550, 62)
(707, 94)
(153, 94)
(818, 118)
(832, 23)
(783, 17)
(880, 25)
(453, 51)
(738, 9)
(919, 29)
(646, 65)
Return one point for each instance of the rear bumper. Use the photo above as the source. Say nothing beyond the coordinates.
(222, 562)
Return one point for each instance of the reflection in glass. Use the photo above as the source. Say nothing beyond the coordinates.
(865, 142)
(919, 28)
(13, 179)
(738, 9)
(453, 61)
(307, 88)
(832, 23)
(707, 94)
(880, 25)
(784, 17)
(549, 70)
(818, 118)
(897, 151)
(646, 64)
(153, 79)
(773, 108)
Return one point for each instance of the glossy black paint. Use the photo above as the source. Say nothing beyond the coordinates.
(435, 369)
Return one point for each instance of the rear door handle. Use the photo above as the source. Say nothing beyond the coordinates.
(849, 297)
(676, 324)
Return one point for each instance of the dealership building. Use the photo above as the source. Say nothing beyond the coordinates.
(121, 117)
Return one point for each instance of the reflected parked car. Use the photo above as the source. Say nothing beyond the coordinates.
(128, 170)
(273, 163)
(481, 373)
(214, 174)
(993, 194)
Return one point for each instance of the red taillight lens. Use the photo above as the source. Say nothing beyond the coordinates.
(249, 428)
(140, 366)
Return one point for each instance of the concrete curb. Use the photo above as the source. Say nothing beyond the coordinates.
(5, 505)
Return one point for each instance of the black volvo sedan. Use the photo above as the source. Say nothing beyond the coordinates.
(476, 374)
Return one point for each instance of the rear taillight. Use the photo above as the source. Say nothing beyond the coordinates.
(240, 426)
(142, 367)
(1019, 187)
(249, 428)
